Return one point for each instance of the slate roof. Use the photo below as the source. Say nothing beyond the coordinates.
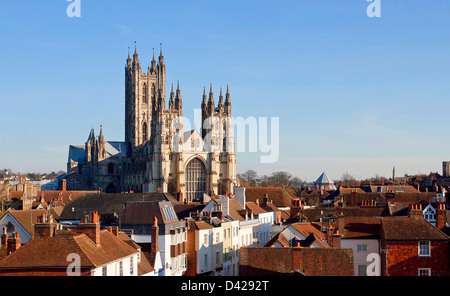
(324, 179)
(77, 154)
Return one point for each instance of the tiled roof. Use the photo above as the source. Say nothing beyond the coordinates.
(107, 203)
(27, 218)
(405, 228)
(307, 228)
(234, 210)
(362, 228)
(183, 211)
(256, 210)
(65, 196)
(314, 214)
(286, 261)
(202, 225)
(279, 238)
(143, 213)
(52, 252)
(311, 239)
(278, 195)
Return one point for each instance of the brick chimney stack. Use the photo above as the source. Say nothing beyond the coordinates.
(415, 211)
(63, 185)
(354, 200)
(14, 243)
(341, 223)
(336, 239)
(4, 239)
(155, 235)
(44, 227)
(441, 216)
(114, 230)
(265, 200)
(92, 230)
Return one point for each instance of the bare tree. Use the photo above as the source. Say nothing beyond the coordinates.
(250, 176)
(347, 178)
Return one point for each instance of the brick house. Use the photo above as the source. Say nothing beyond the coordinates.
(411, 246)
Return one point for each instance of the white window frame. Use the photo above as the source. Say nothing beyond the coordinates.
(427, 270)
(362, 270)
(361, 248)
(420, 249)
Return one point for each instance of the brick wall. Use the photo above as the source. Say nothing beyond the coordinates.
(403, 259)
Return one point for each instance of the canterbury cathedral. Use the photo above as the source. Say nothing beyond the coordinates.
(158, 154)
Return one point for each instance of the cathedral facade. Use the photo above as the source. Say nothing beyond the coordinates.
(157, 153)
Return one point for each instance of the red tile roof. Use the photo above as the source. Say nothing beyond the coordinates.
(278, 195)
(52, 252)
(286, 261)
(26, 218)
(362, 228)
(410, 229)
(256, 210)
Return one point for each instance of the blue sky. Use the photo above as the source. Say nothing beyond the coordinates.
(353, 93)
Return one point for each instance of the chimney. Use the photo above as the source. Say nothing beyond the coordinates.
(92, 230)
(336, 239)
(155, 234)
(354, 201)
(257, 202)
(180, 197)
(44, 227)
(341, 223)
(329, 235)
(114, 230)
(441, 216)
(5, 236)
(415, 211)
(14, 243)
(63, 185)
(265, 200)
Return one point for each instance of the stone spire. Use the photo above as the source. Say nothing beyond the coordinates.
(161, 56)
(172, 99)
(211, 104)
(228, 102)
(221, 101)
(153, 66)
(178, 99)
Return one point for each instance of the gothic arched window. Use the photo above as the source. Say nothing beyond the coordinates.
(144, 132)
(144, 93)
(195, 179)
